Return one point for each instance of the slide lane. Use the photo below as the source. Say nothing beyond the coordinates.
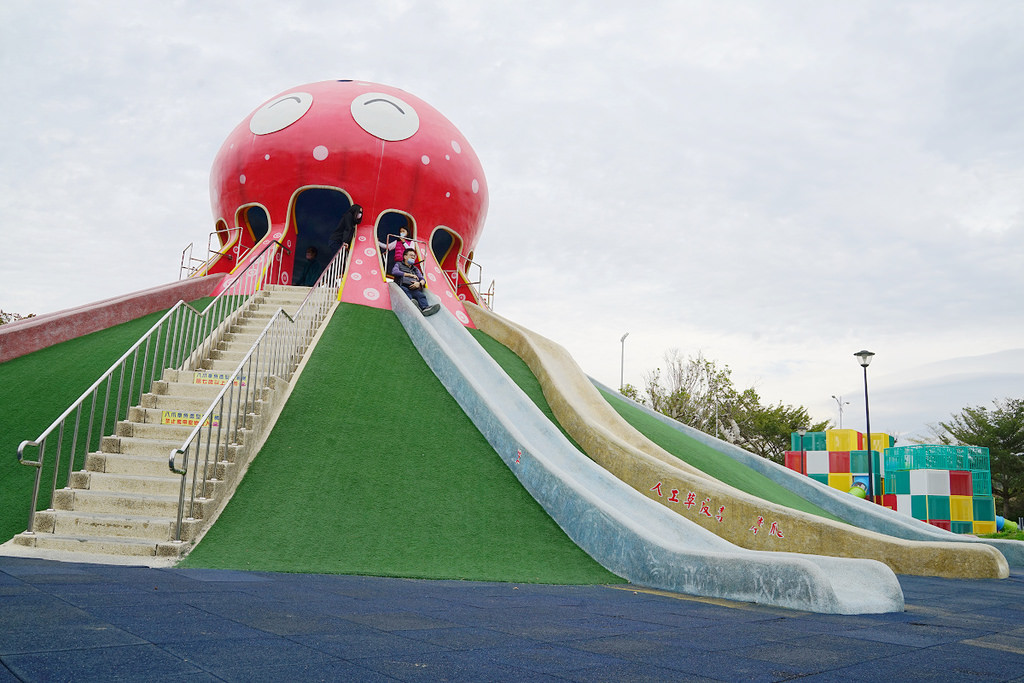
(627, 532)
(854, 510)
(738, 517)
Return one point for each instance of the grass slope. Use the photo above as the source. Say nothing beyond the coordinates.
(372, 468)
(690, 450)
(35, 389)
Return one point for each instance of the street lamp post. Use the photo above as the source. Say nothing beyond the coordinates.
(622, 362)
(864, 358)
(841, 403)
(803, 451)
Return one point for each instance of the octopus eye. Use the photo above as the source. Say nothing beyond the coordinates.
(280, 113)
(385, 116)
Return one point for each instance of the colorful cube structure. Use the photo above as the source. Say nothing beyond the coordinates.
(947, 486)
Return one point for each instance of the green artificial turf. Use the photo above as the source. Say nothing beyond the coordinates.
(35, 389)
(373, 468)
(687, 449)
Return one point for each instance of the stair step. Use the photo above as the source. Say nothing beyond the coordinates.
(168, 485)
(152, 429)
(85, 501)
(145, 466)
(105, 525)
(123, 546)
(151, 417)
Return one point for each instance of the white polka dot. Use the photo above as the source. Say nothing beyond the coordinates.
(447, 194)
(425, 159)
(241, 179)
(455, 146)
(462, 297)
(284, 278)
(371, 294)
(463, 318)
(373, 272)
(319, 152)
(449, 293)
(266, 157)
(369, 251)
(362, 238)
(476, 186)
(356, 276)
(431, 277)
(359, 261)
(447, 157)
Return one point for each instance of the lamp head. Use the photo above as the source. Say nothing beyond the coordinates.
(864, 358)
(624, 337)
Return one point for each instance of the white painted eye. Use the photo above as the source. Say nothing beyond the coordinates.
(385, 116)
(280, 113)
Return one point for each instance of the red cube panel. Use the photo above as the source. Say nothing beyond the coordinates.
(796, 460)
(839, 461)
(960, 483)
(941, 523)
(889, 501)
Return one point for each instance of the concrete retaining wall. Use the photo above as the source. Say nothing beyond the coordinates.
(31, 334)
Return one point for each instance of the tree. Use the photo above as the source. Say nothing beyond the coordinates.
(699, 393)
(6, 317)
(1001, 430)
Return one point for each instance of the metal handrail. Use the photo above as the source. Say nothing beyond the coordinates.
(275, 353)
(182, 336)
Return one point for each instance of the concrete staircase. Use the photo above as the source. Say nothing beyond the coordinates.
(124, 502)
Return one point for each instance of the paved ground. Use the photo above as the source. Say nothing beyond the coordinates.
(62, 621)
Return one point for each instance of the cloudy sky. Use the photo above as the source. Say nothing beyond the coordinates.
(775, 184)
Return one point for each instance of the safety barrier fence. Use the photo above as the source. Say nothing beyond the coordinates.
(182, 337)
(274, 355)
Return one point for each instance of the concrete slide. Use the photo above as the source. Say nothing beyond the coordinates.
(738, 517)
(856, 511)
(627, 532)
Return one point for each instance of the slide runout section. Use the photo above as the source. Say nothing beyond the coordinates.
(854, 510)
(736, 516)
(626, 532)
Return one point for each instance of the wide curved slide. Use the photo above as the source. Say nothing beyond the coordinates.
(738, 517)
(622, 529)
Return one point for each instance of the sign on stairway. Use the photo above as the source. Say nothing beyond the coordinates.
(187, 418)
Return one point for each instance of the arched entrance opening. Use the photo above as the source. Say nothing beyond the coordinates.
(316, 212)
(388, 225)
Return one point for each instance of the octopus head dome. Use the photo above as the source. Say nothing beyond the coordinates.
(294, 166)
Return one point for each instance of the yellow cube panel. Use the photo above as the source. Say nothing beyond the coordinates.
(984, 527)
(961, 508)
(840, 480)
(842, 440)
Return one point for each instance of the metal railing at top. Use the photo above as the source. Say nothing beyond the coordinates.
(275, 354)
(178, 340)
(190, 265)
(474, 273)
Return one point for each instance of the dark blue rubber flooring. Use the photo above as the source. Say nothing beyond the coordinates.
(81, 622)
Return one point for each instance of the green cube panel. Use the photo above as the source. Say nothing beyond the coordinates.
(938, 507)
(898, 482)
(919, 507)
(823, 478)
(982, 483)
(977, 457)
(816, 441)
(962, 527)
(984, 509)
